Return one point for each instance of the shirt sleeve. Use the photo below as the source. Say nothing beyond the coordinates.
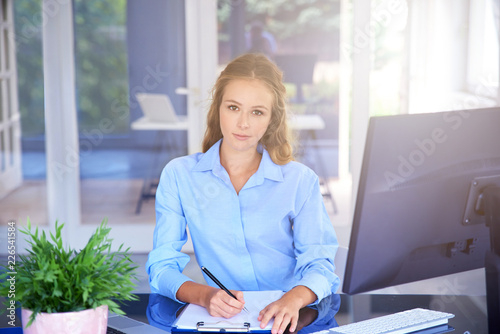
(166, 261)
(315, 245)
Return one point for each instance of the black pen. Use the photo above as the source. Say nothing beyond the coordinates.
(216, 281)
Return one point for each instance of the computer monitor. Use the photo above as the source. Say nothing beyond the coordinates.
(297, 69)
(421, 203)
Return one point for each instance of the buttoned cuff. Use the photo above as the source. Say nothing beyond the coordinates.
(168, 283)
(318, 284)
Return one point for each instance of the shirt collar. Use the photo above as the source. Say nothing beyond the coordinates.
(210, 160)
(269, 169)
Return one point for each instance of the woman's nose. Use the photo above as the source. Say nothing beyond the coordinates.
(243, 120)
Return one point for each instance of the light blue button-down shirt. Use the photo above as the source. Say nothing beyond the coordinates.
(274, 235)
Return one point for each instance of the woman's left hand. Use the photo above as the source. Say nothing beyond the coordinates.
(285, 310)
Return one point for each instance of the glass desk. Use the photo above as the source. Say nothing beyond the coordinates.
(470, 311)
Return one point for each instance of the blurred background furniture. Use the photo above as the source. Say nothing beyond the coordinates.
(160, 116)
(298, 69)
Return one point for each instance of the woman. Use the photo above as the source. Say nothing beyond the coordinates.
(255, 216)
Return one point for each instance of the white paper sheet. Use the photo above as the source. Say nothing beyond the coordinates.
(255, 301)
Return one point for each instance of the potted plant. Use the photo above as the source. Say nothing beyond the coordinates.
(54, 285)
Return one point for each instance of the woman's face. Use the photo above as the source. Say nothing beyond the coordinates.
(245, 113)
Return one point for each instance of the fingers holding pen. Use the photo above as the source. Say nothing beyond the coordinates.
(233, 299)
(238, 303)
(239, 296)
(220, 304)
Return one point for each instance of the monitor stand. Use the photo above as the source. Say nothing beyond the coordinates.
(491, 208)
(299, 97)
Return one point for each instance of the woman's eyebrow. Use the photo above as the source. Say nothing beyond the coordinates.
(260, 107)
(232, 101)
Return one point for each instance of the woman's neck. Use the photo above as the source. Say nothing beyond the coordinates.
(236, 162)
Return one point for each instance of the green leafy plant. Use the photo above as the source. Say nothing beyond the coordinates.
(52, 279)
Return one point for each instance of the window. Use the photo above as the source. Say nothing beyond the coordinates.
(28, 38)
(453, 55)
(483, 53)
(101, 65)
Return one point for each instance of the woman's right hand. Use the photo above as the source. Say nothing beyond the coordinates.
(219, 304)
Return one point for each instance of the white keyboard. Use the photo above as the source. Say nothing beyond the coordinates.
(397, 323)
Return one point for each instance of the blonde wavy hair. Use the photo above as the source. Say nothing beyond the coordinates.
(277, 139)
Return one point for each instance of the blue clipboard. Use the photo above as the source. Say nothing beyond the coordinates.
(194, 318)
(11, 330)
(216, 328)
(202, 326)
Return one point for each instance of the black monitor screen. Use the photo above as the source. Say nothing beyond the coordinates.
(297, 68)
(413, 218)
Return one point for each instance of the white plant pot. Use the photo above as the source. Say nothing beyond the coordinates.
(92, 321)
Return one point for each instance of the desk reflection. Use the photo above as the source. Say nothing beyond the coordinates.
(162, 312)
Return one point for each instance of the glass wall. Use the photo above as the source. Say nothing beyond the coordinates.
(122, 49)
(111, 38)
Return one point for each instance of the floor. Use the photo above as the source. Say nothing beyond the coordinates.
(114, 199)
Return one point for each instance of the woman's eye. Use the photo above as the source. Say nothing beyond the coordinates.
(233, 107)
(257, 112)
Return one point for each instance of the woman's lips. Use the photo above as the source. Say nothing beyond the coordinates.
(241, 137)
